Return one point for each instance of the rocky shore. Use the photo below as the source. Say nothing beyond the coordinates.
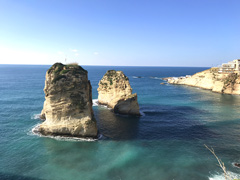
(210, 79)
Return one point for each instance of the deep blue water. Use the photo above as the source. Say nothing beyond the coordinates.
(167, 142)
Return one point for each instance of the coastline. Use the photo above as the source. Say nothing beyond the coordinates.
(210, 79)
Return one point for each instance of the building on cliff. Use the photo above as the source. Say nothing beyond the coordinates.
(230, 67)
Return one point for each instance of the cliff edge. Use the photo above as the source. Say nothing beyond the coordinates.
(67, 108)
(115, 91)
(211, 79)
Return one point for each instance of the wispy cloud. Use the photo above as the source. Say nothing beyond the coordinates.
(74, 50)
(60, 52)
(96, 53)
(12, 56)
(76, 54)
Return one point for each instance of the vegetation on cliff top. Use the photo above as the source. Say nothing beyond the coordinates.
(114, 76)
(111, 74)
(60, 70)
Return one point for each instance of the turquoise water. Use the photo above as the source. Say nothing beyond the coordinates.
(167, 142)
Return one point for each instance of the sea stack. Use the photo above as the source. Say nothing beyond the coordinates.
(115, 91)
(67, 108)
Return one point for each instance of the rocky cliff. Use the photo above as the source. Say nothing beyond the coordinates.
(68, 102)
(212, 80)
(115, 92)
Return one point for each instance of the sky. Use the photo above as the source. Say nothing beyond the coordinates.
(199, 33)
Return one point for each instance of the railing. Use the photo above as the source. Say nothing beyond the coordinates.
(226, 70)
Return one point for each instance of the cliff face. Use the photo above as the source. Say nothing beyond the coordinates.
(68, 102)
(212, 80)
(115, 92)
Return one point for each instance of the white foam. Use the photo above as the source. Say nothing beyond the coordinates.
(155, 78)
(105, 106)
(95, 102)
(36, 116)
(137, 77)
(34, 131)
(220, 176)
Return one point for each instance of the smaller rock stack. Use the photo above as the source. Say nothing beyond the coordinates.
(115, 91)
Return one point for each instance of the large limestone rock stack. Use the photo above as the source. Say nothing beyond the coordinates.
(68, 102)
(115, 92)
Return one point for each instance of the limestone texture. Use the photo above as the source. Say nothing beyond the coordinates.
(67, 108)
(212, 80)
(115, 91)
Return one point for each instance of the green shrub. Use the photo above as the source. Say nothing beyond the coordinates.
(64, 71)
(57, 78)
(230, 80)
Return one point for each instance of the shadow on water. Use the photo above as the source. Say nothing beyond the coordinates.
(8, 176)
(214, 98)
(228, 99)
(154, 110)
(158, 122)
(173, 122)
(117, 127)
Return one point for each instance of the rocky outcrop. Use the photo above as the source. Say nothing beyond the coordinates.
(115, 92)
(127, 105)
(68, 102)
(212, 80)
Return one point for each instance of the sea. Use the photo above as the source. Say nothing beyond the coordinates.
(165, 143)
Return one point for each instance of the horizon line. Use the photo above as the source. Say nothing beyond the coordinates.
(108, 65)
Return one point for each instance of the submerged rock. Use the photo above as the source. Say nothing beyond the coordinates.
(115, 91)
(68, 102)
(237, 165)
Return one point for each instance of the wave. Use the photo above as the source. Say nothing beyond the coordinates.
(36, 116)
(137, 77)
(95, 102)
(155, 77)
(35, 131)
(220, 176)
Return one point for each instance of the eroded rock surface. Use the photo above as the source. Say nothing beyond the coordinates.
(68, 102)
(212, 80)
(115, 92)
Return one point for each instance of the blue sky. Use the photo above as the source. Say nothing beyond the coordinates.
(120, 32)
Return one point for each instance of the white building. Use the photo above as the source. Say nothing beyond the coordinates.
(230, 67)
